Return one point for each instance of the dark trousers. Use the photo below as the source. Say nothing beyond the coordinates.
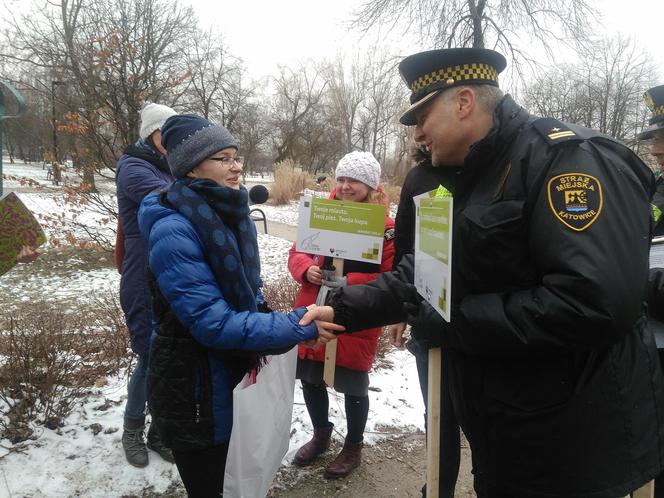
(659, 480)
(202, 471)
(357, 410)
(450, 442)
(484, 490)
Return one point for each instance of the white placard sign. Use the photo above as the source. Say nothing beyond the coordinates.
(433, 249)
(657, 253)
(341, 229)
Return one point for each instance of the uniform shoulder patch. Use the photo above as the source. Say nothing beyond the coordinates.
(554, 131)
(575, 199)
(389, 234)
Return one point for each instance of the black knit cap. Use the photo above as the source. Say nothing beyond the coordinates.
(428, 73)
(655, 101)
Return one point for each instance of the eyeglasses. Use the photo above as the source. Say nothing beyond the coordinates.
(228, 161)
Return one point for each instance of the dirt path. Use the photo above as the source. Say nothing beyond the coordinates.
(276, 229)
(393, 468)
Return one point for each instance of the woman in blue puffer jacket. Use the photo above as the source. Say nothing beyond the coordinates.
(207, 303)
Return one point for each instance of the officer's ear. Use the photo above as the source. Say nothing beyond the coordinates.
(465, 103)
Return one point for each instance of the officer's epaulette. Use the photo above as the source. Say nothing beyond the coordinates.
(554, 131)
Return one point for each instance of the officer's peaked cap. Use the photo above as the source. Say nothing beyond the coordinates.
(428, 73)
(655, 101)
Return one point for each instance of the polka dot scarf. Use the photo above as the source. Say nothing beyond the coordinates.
(220, 216)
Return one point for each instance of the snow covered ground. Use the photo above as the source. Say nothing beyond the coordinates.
(85, 457)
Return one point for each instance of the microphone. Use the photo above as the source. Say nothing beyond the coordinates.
(258, 194)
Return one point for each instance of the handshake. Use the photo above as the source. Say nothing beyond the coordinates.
(428, 327)
(323, 316)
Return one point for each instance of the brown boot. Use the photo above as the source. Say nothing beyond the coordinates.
(319, 443)
(347, 461)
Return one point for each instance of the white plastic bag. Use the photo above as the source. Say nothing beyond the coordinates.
(262, 415)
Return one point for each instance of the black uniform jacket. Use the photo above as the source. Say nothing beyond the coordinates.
(553, 375)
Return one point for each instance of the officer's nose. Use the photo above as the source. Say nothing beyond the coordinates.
(418, 135)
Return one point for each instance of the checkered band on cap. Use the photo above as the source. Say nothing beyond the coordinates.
(658, 111)
(457, 74)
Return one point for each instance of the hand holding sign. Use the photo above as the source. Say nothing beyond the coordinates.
(27, 254)
(314, 275)
(20, 233)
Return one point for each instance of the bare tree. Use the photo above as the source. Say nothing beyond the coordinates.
(362, 100)
(209, 65)
(298, 93)
(110, 56)
(560, 93)
(604, 92)
(482, 23)
(219, 87)
(252, 131)
(239, 93)
(384, 100)
(347, 89)
(623, 72)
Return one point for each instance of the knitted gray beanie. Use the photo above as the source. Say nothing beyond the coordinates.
(190, 139)
(153, 117)
(361, 166)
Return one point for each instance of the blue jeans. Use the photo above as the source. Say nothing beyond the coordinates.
(137, 395)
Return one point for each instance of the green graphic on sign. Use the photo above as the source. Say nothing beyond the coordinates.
(372, 253)
(442, 192)
(434, 215)
(442, 298)
(358, 218)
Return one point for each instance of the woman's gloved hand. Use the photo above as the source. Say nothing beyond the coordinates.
(331, 280)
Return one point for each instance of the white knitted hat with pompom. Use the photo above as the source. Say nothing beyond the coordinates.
(361, 166)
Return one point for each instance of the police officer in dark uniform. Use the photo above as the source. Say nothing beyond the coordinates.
(654, 134)
(553, 375)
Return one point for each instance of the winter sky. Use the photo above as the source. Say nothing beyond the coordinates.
(266, 33)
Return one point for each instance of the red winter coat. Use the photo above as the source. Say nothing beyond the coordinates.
(358, 350)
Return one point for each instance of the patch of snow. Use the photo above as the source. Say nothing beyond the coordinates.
(73, 461)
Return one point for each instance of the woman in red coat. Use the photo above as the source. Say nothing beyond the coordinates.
(357, 175)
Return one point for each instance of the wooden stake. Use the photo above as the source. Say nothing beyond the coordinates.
(331, 347)
(646, 491)
(433, 423)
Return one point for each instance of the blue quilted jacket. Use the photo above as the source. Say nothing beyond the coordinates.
(191, 390)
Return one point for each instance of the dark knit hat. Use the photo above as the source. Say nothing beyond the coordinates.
(655, 101)
(190, 139)
(429, 73)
